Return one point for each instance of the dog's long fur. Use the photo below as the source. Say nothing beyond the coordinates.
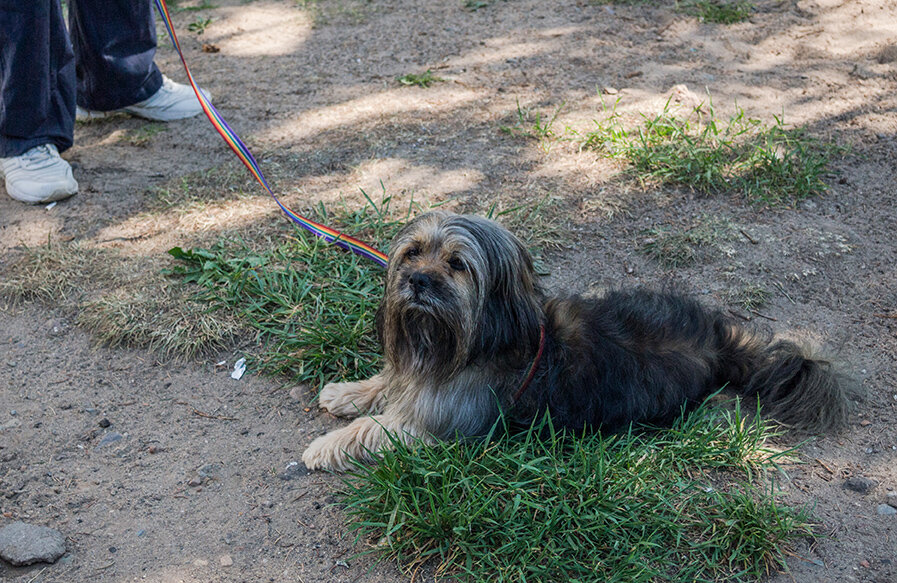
(460, 327)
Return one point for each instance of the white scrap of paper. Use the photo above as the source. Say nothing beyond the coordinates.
(239, 369)
(51, 205)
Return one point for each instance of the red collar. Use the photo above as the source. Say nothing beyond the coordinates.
(533, 367)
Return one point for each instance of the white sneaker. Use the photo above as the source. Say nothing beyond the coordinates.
(39, 175)
(172, 101)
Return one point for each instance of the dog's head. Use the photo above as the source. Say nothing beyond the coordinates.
(460, 289)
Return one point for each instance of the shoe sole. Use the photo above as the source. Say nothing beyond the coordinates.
(58, 194)
(24, 197)
(82, 114)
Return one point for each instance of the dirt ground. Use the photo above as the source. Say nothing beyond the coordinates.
(168, 470)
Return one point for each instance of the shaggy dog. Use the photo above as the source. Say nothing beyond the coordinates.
(469, 334)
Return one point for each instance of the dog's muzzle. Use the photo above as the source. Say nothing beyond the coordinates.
(422, 286)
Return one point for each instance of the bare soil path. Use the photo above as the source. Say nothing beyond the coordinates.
(170, 470)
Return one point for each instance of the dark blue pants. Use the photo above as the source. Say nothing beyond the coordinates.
(104, 61)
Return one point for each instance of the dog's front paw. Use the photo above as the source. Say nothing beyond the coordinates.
(338, 398)
(325, 453)
(353, 399)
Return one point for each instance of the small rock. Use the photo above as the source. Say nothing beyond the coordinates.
(56, 328)
(865, 423)
(25, 544)
(887, 55)
(865, 564)
(892, 499)
(210, 471)
(195, 481)
(293, 470)
(225, 560)
(610, 91)
(110, 437)
(104, 423)
(200, 563)
(886, 510)
(860, 484)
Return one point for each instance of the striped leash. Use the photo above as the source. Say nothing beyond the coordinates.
(236, 144)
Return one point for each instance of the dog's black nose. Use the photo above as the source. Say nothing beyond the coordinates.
(420, 281)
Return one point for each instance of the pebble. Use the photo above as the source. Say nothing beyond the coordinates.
(225, 560)
(25, 544)
(886, 510)
(209, 471)
(110, 437)
(860, 484)
(293, 470)
(104, 423)
(200, 563)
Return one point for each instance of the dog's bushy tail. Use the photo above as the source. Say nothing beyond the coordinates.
(795, 387)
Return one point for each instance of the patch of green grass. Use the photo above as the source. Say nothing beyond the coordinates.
(530, 124)
(310, 304)
(334, 12)
(474, 5)
(748, 296)
(539, 224)
(718, 11)
(199, 25)
(769, 164)
(674, 248)
(693, 503)
(203, 5)
(424, 79)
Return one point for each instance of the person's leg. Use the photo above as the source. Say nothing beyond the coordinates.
(37, 101)
(115, 44)
(37, 77)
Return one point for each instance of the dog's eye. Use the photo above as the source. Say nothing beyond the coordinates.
(413, 252)
(456, 264)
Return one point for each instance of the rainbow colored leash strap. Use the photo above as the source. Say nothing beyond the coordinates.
(245, 156)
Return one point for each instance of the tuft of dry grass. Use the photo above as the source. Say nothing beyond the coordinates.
(123, 302)
(160, 316)
(679, 247)
(53, 273)
(748, 296)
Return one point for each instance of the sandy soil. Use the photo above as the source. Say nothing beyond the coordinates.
(194, 489)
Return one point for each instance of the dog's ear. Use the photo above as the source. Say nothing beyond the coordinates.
(512, 298)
